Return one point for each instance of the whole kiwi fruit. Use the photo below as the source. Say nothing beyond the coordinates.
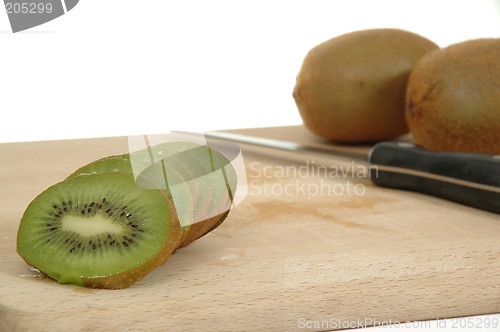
(351, 88)
(453, 98)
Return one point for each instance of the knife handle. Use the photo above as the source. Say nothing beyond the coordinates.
(466, 178)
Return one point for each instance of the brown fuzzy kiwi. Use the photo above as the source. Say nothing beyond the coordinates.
(453, 98)
(351, 88)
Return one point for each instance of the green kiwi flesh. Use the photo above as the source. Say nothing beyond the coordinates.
(98, 230)
(118, 163)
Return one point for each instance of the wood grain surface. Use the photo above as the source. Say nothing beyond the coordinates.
(299, 251)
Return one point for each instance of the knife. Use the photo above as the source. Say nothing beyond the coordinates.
(467, 178)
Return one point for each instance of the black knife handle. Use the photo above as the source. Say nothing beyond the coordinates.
(466, 178)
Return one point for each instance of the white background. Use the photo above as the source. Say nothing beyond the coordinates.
(120, 67)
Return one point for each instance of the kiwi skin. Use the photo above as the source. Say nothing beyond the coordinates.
(453, 98)
(351, 88)
(201, 229)
(121, 163)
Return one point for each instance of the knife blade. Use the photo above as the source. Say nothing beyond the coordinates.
(466, 178)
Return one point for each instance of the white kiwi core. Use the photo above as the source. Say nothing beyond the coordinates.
(90, 226)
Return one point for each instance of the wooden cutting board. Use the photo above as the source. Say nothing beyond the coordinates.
(300, 251)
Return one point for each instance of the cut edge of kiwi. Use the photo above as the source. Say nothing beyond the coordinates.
(139, 232)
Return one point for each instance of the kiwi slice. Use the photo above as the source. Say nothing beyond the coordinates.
(213, 189)
(185, 161)
(216, 188)
(98, 230)
(119, 163)
(188, 197)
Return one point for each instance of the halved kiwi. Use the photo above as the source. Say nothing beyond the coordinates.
(98, 230)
